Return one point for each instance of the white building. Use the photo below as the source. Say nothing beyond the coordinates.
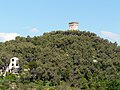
(13, 66)
(73, 26)
(14, 63)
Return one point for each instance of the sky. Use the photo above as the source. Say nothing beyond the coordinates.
(34, 17)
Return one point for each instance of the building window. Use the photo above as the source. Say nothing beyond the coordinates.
(9, 70)
(12, 59)
(12, 64)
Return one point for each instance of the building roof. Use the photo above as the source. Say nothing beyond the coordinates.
(73, 22)
(15, 58)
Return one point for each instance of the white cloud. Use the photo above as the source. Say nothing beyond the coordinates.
(110, 35)
(8, 36)
(34, 30)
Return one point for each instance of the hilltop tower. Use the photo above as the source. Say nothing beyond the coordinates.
(73, 25)
(13, 66)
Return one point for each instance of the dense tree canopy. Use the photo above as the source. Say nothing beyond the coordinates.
(78, 59)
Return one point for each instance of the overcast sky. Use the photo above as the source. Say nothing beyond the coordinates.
(34, 17)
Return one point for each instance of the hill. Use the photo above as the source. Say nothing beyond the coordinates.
(74, 59)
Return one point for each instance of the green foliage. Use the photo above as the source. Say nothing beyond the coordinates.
(10, 77)
(64, 56)
(114, 85)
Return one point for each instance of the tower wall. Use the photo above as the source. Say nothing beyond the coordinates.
(73, 26)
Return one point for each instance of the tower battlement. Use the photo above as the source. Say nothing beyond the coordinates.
(73, 25)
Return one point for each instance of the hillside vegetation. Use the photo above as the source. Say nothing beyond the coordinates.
(63, 60)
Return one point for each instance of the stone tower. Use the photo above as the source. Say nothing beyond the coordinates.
(13, 66)
(73, 25)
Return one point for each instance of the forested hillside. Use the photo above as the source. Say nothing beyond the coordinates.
(63, 60)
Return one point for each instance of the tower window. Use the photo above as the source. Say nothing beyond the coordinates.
(12, 59)
(17, 64)
(12, 64)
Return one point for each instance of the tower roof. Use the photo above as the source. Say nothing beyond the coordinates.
(15, 58)
(73, 22)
